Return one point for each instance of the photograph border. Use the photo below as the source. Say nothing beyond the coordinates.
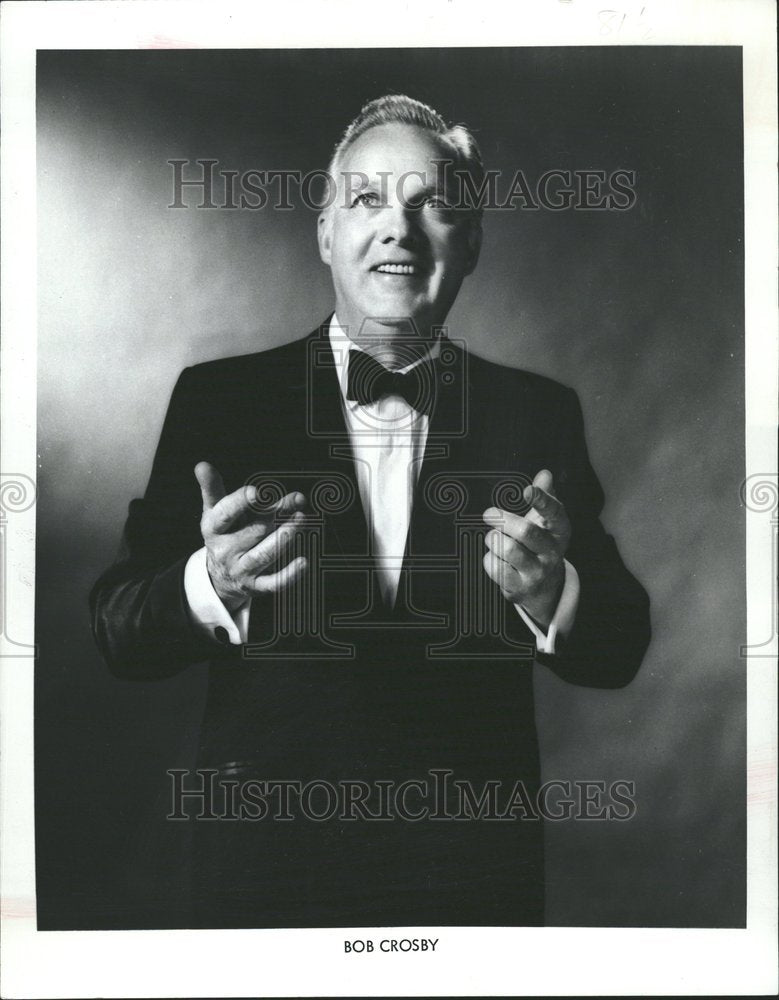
(475, 961)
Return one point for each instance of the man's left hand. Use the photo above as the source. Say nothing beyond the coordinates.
(525, 554)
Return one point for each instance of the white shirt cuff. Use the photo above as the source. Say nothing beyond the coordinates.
(206, 609)
(564, 616)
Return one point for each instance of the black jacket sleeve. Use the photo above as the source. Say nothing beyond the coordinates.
(139, 611)
(611, 631)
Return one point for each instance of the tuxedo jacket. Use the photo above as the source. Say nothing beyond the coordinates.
(332, 686)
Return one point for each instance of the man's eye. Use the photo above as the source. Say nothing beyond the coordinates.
(436, 201)
(368, 198)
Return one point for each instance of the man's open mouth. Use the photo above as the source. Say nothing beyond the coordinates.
(398, 269)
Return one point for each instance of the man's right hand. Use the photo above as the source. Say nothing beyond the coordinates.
(245, 555)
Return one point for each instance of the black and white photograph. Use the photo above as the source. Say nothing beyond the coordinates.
(402, 436)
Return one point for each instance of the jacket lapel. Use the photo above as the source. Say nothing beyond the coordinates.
(474, 459)
(331, 468)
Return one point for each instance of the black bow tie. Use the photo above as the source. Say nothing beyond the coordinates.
(368, 380)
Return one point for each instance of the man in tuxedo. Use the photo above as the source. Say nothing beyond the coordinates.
(388, 532)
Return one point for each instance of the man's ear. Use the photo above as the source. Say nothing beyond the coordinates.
(474, 245)
(324, 235)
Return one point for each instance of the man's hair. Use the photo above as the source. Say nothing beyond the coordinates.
(398, 109)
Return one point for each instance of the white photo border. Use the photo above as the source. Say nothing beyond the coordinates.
(474, 961)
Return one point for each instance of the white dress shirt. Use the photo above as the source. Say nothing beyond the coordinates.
(388, 439)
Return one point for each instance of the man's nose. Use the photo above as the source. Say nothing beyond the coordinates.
(399, 222)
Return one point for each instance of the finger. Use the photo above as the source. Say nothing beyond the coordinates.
(511, 551)
(229, 510)
(266, 552)
(283, 578)
(532, 537)
(212, 488)
(279, 513)
(544, 480)
(504, 575)
(244, 539)
(547, 507)
(284, 508)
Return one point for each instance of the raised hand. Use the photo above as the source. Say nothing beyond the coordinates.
(246, 547)
(525, 554)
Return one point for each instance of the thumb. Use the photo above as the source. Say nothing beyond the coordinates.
(211, 486)
(543, 481)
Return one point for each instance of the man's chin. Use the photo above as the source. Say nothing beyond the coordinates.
(390, 331)
(395, 323)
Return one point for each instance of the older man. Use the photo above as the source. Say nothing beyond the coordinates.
(389, 531)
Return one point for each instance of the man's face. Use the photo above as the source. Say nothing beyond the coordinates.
(395, 249)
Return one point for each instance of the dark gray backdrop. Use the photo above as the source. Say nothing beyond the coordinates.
(640, 311)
